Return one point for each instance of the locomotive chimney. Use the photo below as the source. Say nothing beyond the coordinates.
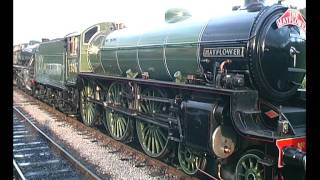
(253, 5)
(44, 39)
(248, 2)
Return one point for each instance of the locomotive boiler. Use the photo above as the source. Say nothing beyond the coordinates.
(252, 43)
(220, 94)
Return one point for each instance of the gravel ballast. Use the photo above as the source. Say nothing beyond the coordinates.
(92, 152)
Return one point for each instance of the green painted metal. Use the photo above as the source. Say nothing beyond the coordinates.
(72, 69)
(151, 57)
(50, 65)
(118, 125)
(72, 63)
(55, 66)
(94, 64)
(94, 53)
(87, 108)
(153, 139)
(182, 48)
(160, 51)
(249, 168)
(189, 161)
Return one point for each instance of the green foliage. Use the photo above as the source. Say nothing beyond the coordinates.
(303, 11)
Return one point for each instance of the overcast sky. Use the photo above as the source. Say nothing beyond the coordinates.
(36, 19)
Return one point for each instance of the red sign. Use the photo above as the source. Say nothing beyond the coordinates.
(292, 17)
(271, 114)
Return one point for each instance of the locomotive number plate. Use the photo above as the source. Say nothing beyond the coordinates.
(224, 52)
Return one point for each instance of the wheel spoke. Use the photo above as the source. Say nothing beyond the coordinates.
(250, 162)
(124, 122)
(192, 166)
(146, 136)
(117, 124)
(143, 107)
(158, 107)
(189, 166)
(244, 165)
(245, 171)
(189, 160)
(144, 131)
(147, 106)
(161, 134)
(87, 108)
(115, 129)
(157, 140)
(88, 113)
(152, 142)
(149, 142)
(122, 128)
(160, 140)
(118, 128)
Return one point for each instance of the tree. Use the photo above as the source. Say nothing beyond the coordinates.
(303, 11)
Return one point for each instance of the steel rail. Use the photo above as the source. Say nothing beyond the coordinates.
(140, 157)
(74, 162)
(18, 170)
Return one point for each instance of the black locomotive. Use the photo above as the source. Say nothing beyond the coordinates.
(221, 95)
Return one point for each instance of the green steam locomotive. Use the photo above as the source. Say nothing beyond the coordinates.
(222, 95)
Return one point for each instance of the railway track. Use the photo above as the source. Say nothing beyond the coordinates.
(37, 156)
(127, 152)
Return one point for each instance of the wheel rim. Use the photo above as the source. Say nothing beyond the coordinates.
(88, 111)
(153, 139)
(189, 161)
(248, 168)
(118, 125)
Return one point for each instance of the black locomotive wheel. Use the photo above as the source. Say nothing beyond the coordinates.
(119, 125)
(248, 167)
(153, 138)
(190, 161)
(87, 108)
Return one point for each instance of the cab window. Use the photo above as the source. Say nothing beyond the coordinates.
(89, 34)
(73, 46)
